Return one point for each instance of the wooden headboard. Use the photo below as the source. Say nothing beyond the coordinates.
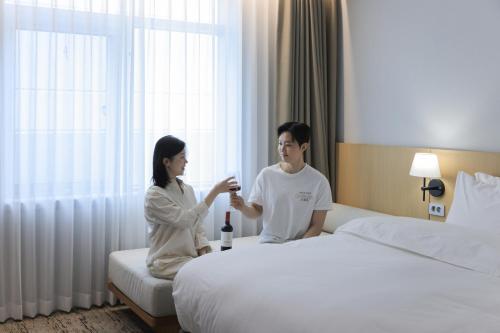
(377, 177)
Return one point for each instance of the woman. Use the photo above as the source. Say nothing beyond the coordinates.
(292, 196)
(170, 208)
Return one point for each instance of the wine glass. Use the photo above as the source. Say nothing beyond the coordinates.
(237, 178)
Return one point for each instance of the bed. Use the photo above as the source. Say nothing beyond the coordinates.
(375, 274)
(151, 298)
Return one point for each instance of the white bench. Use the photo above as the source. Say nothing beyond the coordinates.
(151, 298)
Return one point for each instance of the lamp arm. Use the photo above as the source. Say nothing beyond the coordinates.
(430, 188)
(435, 188)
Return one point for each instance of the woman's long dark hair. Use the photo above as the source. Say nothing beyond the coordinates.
(168, 147)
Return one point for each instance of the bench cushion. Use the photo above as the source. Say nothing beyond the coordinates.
(129, 273)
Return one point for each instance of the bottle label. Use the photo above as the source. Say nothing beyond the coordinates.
(226, 239)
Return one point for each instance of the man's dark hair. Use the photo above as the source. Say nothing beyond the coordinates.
(300, 132)
(168, 147)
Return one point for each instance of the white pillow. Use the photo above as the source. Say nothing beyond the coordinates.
(476, 204)
(341, 214)
(487, 179)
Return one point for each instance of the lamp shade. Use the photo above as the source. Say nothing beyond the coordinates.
(425, 165)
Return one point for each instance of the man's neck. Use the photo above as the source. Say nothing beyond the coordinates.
(292, 167)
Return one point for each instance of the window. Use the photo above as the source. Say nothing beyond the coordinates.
(87, 77)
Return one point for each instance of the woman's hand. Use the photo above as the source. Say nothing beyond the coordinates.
(203, 250)
(237, 202)
(226, 185)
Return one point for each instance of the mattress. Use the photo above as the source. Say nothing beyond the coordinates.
(375, 274)
(240, 242)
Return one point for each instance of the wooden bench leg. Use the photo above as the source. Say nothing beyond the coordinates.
(166, 324)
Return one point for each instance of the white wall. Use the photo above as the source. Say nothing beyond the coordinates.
(421, 73)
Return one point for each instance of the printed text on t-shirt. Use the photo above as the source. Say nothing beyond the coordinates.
(303, 196)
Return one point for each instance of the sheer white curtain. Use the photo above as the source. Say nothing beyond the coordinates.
(259, 139)
(86, 88)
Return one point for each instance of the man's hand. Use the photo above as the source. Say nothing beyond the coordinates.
(317, 220)
(236, 201)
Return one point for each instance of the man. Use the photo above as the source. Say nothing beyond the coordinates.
(292, 196)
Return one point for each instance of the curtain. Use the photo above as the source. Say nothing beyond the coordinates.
(259, 94)
(87, 87)
(307, 75)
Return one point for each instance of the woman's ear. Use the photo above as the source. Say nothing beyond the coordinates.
(165, 162)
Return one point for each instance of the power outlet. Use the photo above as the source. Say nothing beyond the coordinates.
(436, 209)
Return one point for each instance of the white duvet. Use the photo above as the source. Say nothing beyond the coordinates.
(376, 274)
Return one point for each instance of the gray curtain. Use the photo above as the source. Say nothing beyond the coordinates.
(307, 75)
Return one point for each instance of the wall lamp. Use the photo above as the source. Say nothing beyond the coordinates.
(426, 165)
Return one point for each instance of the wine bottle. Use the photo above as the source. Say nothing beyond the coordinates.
(226, 235)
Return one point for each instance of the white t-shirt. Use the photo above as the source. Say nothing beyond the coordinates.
(288, 201)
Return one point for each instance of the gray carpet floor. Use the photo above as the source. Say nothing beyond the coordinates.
(106, 319)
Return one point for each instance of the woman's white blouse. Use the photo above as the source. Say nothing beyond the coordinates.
(175, 221)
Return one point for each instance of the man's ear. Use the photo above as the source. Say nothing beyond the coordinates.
(304, 146)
